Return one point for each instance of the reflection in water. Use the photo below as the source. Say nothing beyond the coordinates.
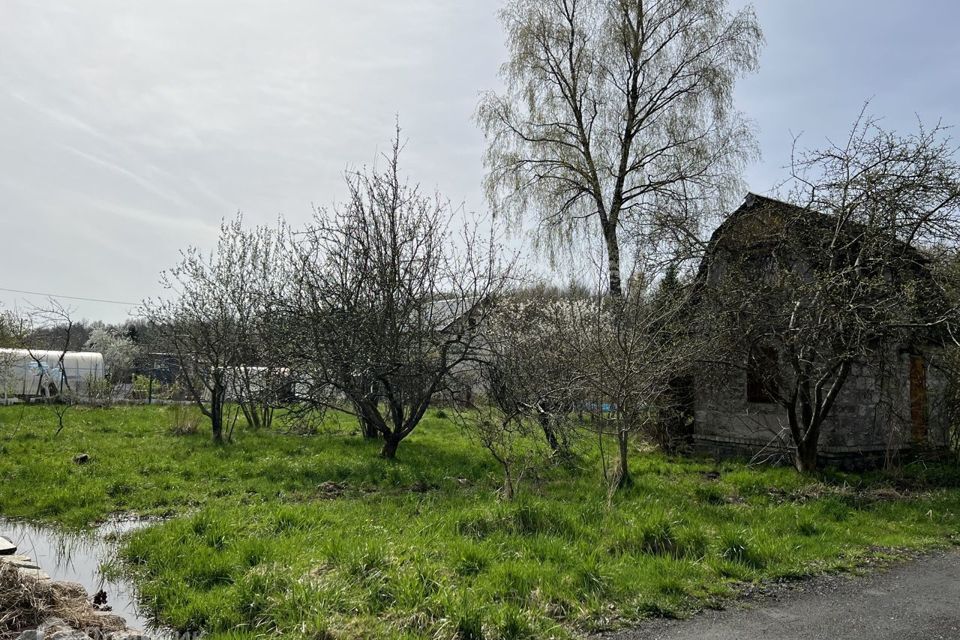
(76, 557)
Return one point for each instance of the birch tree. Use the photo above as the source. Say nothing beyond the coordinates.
(618, 115)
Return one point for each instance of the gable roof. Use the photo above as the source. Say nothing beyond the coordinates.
(762, 224)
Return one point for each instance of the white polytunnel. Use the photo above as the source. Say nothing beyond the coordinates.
(35, 372)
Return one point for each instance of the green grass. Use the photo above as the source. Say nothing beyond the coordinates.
(420, 547)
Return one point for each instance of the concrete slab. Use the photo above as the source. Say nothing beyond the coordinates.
(19, 561)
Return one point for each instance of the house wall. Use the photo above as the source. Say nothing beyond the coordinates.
(869, 421)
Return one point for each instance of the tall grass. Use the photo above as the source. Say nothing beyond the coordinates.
(317, 537)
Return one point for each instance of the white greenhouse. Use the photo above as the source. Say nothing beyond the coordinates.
(29, 373)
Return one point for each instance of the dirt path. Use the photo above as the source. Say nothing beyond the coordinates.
(916, 600)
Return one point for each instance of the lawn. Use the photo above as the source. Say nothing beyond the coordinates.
(316, 537)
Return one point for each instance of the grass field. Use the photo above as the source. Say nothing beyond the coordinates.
(316, 537)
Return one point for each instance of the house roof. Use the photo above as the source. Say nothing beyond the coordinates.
(761, 219)
(763, 224)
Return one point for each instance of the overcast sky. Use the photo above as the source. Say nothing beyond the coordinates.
(128, 129)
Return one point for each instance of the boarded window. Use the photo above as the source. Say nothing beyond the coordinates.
(763, 375)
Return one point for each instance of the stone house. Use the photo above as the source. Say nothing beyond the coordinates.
(888, 406)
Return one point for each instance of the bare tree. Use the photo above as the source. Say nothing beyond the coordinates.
(209, 320)
(386, 304)
(52, 328)
(844, 276)
(529, 373)
(529, 382)
(261, 380)
(618, 113)
(549, 359)
(52, 325)
(509, 435)
(13, 332)
(631, 350)
(13, 328)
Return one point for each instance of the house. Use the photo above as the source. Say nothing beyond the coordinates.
(890, 400)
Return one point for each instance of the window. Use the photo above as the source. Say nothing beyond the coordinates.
(763, 375)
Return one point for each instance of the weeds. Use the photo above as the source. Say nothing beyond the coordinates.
(319, 538)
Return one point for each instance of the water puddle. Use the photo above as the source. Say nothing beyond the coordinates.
(76, 557)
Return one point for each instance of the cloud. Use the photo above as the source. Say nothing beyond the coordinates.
(132, 128)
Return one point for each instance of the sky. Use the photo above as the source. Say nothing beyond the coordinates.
(129, 129)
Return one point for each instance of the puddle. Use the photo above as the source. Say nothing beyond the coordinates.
(76, 557)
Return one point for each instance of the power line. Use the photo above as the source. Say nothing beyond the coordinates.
(54, 295)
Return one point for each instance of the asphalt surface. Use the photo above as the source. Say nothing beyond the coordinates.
(915, 600)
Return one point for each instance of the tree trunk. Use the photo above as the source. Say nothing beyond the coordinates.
(805, 459)
(251, 415)
(623, 479)
(216, 413)
(217, 422)
(390, 444)
(60, 414)
(367, 426)
(613, 259)
(368, 429)
(508, 492)
(548, 432)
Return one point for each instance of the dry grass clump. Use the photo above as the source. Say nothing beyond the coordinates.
(26, 602)
(186, 422)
